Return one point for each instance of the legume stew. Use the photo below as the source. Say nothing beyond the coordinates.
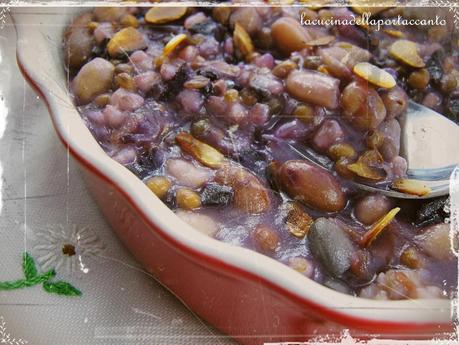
(203, 104)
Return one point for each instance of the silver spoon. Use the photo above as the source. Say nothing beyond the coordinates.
(430, 145)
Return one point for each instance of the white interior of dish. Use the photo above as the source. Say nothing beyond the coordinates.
(39, 49)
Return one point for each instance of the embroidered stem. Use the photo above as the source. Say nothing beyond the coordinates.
(33, 278)
(22, 283)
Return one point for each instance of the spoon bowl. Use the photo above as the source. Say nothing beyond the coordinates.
(429, 143)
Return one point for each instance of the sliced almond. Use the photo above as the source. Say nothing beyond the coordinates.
(173, 43)
(364, 166)
(162, 15)
(129, 20)
(407, 52)
(374, 75)
(298, 222)
(414, 187)
(378, 227)
(370, 6)
(371, 157)
(367, 172)
(321, 41)
(242, 41)
(394, 33)
(170, 46)
(204, 153)
(125, 41)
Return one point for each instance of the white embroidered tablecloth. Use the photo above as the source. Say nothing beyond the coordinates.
(42, 193)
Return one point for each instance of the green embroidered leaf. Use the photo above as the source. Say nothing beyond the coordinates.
(33, 278)
(28, 266)
(61, 288)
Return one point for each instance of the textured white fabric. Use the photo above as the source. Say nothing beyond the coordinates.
(40, 188)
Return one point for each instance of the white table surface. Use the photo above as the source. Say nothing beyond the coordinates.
(40, 189)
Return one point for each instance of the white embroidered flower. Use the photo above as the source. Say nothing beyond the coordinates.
(66, 248)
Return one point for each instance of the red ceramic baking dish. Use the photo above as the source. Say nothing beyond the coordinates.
(246, 295)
